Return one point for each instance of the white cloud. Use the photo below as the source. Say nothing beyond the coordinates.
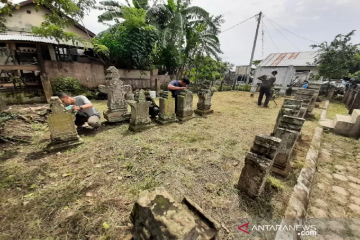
(300, 3)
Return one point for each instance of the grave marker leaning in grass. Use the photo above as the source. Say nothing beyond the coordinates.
(62, 127)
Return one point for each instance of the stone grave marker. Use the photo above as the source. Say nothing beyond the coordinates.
(258, 164)
(308, 96)
(156, 215)
(185, 105)
(289, 132)
(204, 103)
(2, 104)
(167, 109)
(116, 92)
(140, 119)
(356, 103)
(62, 127)
(290, 107)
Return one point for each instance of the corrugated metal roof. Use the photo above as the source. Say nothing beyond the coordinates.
(287, 59)
(29, 38)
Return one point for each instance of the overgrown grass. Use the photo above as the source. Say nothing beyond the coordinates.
(336, 107)
(72, 194)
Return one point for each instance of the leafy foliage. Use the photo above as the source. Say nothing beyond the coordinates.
(132, 42)
(67, 85)
(338, 58)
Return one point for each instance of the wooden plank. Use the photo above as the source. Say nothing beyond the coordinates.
(20, 67)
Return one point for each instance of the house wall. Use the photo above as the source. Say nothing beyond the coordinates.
(314, 70)
(22, 22)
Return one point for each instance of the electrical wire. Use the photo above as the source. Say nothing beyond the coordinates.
(263, 38)
(293, 33)
(284, 36)
(273, 41)
(239, 23)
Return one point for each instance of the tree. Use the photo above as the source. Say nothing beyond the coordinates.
(131, 43)
(337, 58)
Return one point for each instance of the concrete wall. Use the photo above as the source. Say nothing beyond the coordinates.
(90, 75)
(21, 21)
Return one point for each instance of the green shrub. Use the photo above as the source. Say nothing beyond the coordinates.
(245, 88)
(67, 85)
(214, 89)
(227, 88)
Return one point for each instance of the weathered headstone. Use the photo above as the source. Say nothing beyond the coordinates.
(62, 127)
(185, 105)
(2, 104)
(156, 215)
(288, 131)
(116, 92)
(258, 164)
(308, 96)
(314, 86)
(351, 98)
(140, 119)
(167, 109)
(290, 107)
(356, 103)
(204, 103)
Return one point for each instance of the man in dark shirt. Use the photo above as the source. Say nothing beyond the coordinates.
(176, 86)
(265, 87)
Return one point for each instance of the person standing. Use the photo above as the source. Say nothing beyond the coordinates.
(85, 110)
(265, 87)
(176, 86)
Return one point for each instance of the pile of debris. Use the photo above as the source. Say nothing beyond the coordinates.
(17, 122)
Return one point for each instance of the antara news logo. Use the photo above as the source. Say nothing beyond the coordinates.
(302, 230)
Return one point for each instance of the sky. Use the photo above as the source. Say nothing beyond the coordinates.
(316, 20)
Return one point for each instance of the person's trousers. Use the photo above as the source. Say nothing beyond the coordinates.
(267, 92)
(93, 121)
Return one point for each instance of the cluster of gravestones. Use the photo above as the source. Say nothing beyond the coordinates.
(61, 122)
(352, 99)
(273, 153)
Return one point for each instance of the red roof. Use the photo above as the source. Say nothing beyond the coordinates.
(28, 2)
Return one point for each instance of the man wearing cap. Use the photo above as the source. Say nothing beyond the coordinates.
(265, 87)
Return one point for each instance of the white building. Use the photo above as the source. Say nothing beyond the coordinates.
(288, 65)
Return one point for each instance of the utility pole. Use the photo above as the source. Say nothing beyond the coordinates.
(254, 46)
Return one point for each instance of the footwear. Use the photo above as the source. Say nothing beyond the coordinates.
(266, 106)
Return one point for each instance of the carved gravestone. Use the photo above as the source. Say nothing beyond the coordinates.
(2, 104)
(140, 119)
(351, 98)
(291, 107)
(156, 215)
(308, 96)
(289, 132)
(204, 104)
(167, 109)
(116, 93)
(62, 127)
(185, 105)
(258, 164)
(356, 103)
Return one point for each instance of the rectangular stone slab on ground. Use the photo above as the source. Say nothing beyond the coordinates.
(116, 92)
(62, 127)
(167, 109)
(204, 104)
(185, 106)
(308, 96)
(291, 123)
(282, 160)
(156, 215)
(258, 164)
(140, 119)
